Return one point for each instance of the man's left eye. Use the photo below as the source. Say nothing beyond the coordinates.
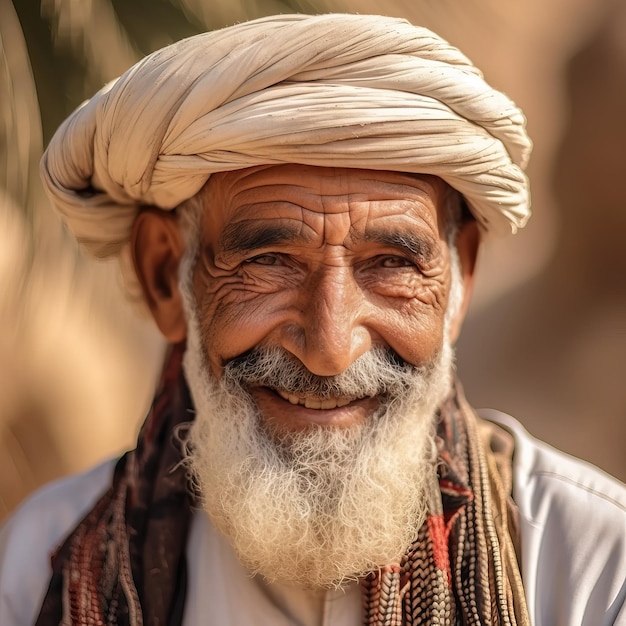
(265, 259)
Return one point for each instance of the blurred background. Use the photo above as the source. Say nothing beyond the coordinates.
(545, 339)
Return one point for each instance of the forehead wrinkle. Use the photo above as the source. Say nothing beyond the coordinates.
(407, 223)
(250, 189)
(334, 201)
(404, 186)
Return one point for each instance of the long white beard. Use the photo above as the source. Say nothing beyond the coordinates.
(326, 505)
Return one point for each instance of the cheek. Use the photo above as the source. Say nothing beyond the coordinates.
(414, 330)
(237, 310)
(410, 311)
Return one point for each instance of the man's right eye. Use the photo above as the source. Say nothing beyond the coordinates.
(265, 259)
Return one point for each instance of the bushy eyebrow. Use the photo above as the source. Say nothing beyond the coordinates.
(419, 247)
(249, 236)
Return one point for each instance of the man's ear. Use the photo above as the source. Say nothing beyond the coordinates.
(467, 244)
(157, 247)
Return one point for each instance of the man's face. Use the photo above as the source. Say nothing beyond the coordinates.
(325, 263)
(318, 319)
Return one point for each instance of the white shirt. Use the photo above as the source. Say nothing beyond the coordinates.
(573, 535)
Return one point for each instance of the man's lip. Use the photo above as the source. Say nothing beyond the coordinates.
(282, 414)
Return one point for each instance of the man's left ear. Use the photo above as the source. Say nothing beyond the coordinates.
(157, 247)
(467, 244)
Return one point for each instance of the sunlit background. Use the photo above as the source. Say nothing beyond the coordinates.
(546, 337)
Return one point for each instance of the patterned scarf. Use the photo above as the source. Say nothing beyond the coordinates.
(124, 564)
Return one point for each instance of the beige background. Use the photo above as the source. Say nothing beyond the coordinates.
(546, 337)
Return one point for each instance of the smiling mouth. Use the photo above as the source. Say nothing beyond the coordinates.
(311, 402)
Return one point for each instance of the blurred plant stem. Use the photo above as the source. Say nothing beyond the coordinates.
(20, 125)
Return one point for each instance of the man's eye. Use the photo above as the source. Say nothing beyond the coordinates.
(393, 262)
(265, 259)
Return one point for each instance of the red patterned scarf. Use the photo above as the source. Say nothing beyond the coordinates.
(124, 564)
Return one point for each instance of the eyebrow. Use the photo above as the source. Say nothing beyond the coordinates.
(419, 247)
(249, 236)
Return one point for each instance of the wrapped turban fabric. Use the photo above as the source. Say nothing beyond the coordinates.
(332, 90)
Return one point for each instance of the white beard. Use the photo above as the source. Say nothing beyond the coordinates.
(326, 505)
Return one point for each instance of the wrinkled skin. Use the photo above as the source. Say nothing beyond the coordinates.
(325, 262)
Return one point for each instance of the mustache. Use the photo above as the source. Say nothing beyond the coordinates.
(380, 371)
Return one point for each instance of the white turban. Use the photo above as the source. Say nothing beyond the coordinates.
(332, 90)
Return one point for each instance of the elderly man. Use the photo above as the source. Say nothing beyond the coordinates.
(300, 200)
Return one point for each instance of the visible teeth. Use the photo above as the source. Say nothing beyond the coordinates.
(314, 403)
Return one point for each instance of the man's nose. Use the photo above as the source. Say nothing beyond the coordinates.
(332, 330)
